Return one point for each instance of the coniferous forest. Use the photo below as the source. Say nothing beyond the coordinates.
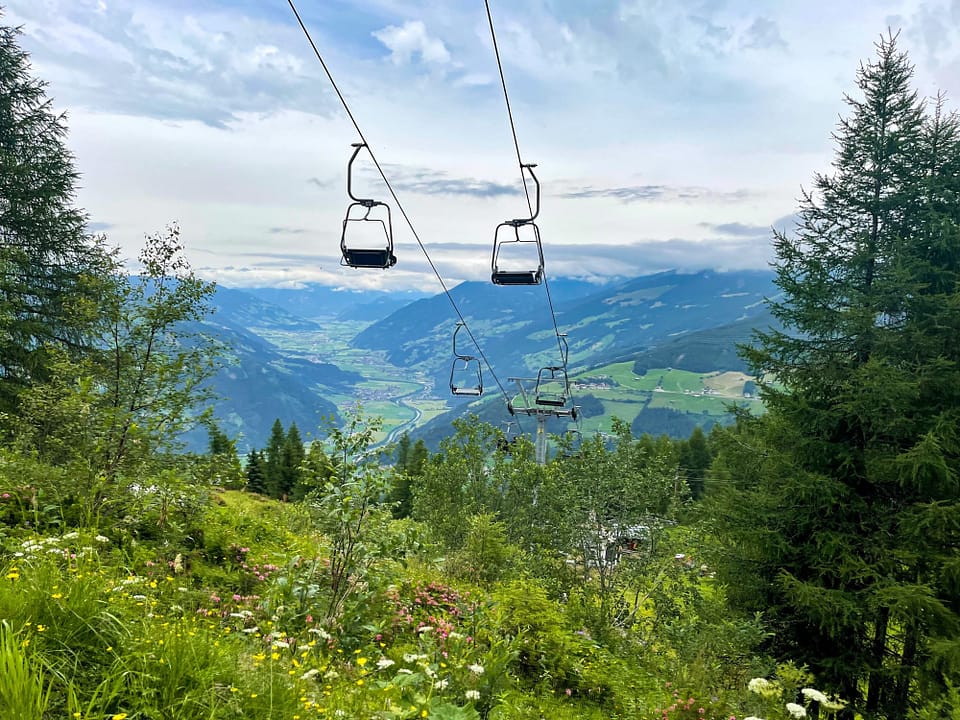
(804, 562)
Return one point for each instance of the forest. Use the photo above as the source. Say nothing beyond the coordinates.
(803, 562)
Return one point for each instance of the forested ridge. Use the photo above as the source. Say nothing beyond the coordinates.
(802, 562)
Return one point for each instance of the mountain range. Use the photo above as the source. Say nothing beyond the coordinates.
(688, 321)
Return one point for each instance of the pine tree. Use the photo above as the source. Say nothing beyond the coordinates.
(292, 457)
(842, 503)
(52, 274)
(256, 478)
(273, 465)
(694, 460)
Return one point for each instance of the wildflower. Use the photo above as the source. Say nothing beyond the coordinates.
(472, 694)
(752, 717)
(41, 628)
(475, 669)
(815, 695)
(57, 596)
(361, 661)
(795, 710)
(310, 674)
(424, 629)
(119, 716)
(758, 685)
(384, 663)
(441, 684)
(102, 539)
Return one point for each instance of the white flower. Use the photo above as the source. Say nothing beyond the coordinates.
(441, 684)
(384, 663)
(472, 694)
(475, 669)
(251, 631)
(758, 685)
(101, 539)
(752, 717)
(321, 632)
(310, 674)
(796, 711)
(425, 629)
(815, 695)
(71, 536)
(404, 671)
(410, 657)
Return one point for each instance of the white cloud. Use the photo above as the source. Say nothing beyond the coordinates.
(412, 39)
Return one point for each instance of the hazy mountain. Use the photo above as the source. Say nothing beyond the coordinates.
(316, 301)
(513, 326)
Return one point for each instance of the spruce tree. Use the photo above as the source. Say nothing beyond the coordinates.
(694, 460)
(841, 508)
(256, 478)
(273, 465)
(52, 274)
(292, 457)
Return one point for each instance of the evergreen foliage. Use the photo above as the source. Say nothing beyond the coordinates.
(256, 477)
(842, 505)
(53, 276)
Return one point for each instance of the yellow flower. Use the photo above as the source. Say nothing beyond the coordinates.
(359, 682)
(57, 596)
(13, 575)
(275, 656)
(361, 661)
(41, 628)
(424, 713)
(119, 716)
(77, 714)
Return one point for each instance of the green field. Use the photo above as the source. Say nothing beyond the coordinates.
(624, 394)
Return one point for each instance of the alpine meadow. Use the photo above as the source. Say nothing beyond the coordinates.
(713, 495)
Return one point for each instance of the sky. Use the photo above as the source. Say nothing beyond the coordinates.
(669, 134)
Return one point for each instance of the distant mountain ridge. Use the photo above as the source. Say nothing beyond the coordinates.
(515, 332)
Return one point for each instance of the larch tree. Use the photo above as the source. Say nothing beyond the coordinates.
(840, 506)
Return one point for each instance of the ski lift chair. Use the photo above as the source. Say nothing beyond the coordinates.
(513, 234)
(365, 213)
(553, 386)
(466, 378)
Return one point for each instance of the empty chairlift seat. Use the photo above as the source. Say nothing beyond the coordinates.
(466, 377)
(517, 250)
(367, 237)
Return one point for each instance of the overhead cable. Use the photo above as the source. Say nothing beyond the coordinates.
(393, 194)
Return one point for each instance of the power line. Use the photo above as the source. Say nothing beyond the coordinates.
(516, 145)
(400, 207)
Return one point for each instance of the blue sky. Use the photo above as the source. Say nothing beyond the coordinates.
(668, 133)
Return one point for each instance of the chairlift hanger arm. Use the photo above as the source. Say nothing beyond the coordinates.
(535, 211)
(363, 201)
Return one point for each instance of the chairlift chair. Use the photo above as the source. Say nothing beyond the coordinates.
(553, 386)
(360, 212)
(513, 234)
(466, 378)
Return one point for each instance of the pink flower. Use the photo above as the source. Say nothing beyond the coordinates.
(569, 692)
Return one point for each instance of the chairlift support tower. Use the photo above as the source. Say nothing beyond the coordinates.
(542, 414)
